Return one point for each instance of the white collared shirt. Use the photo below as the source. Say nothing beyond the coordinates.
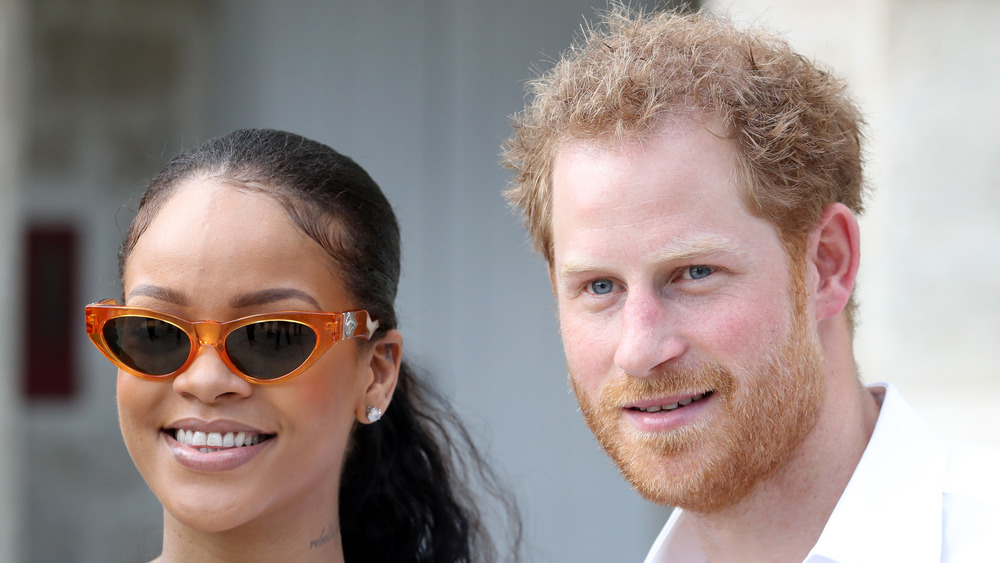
(913, 497)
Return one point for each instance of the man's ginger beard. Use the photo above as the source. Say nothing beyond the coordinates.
(757, 421)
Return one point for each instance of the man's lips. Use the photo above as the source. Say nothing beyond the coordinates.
(667, 404)
(666, 414)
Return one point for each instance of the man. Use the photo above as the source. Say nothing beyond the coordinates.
(694, 189)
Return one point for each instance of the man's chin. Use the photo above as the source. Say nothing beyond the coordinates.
(681, 472)
(688, 487)
(706, 469)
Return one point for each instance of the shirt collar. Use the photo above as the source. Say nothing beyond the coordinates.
(891, 508)
(677, 542)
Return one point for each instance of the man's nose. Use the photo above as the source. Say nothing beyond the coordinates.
(650, 335)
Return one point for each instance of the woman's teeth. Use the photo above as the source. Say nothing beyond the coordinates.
(675, 406)
(208, 442)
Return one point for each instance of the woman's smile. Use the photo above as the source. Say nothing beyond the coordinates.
(218, 445)
(216, 459)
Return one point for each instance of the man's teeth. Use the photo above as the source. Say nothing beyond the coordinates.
(674, 406)
(208, 442)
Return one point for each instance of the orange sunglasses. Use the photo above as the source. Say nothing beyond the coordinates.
(263, 349)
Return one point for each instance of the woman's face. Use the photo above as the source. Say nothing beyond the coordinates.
(214, 252)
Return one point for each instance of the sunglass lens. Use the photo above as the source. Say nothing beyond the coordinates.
(149, 346)
(270, 349)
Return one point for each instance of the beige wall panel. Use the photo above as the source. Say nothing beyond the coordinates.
(925, 73)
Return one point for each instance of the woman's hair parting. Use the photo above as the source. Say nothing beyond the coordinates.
(405, 493)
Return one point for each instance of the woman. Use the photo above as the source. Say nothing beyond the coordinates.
(291, 430)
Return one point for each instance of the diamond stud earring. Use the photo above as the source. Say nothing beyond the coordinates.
(374, 413)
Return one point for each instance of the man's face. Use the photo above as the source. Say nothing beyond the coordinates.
(689, 339)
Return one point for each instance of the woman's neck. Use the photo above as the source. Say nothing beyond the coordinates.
(279, 539)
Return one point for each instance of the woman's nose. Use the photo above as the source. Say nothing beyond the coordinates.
(209, 379)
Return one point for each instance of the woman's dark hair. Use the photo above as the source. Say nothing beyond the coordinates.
(404, 494)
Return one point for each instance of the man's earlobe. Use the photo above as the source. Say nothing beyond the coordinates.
(834, 254)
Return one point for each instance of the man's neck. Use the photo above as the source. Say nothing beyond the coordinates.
(781, 519)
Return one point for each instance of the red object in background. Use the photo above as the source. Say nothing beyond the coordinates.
(51, 312)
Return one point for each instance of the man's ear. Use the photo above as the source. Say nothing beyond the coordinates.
(384, 360)
(834, 254)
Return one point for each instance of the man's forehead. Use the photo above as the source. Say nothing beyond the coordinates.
(686, 161)
(676, 194)
(624, 141)
(681, 152)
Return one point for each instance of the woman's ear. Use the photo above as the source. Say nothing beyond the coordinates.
(384, 360)
(834, 254)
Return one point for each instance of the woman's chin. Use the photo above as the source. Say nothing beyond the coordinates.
(207, 520)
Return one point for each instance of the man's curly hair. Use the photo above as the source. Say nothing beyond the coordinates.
(797, 133)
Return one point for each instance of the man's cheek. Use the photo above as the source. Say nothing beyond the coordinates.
(587, 372)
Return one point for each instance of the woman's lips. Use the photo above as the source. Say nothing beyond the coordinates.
(220, 425)
(212, 446)
(210, 441)
(216, 459)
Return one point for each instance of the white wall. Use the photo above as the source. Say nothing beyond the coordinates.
(926, 74)
(12, 49)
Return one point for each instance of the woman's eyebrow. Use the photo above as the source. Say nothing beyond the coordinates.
(267, 296)
(159, 293)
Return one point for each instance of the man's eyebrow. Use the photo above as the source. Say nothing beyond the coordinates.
(684, 249)
(159, 293)
(267, 296)
(693, 248)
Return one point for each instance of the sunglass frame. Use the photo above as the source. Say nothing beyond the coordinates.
(330, 328)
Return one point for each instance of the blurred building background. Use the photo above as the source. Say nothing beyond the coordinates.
(96, 95)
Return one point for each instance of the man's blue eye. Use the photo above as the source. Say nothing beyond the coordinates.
(699, 272)
(600, 287)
